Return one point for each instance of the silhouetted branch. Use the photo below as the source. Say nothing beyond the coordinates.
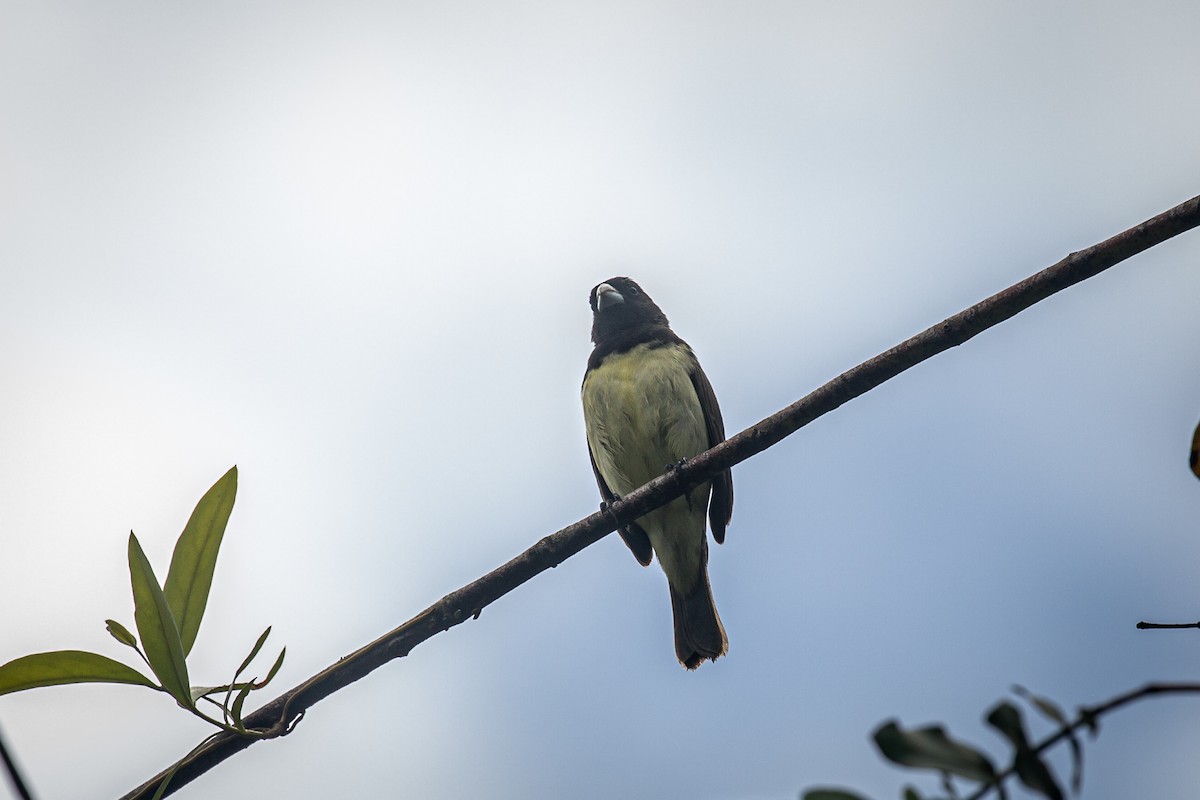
(14, 774)
(1153, 626)
(277, 716)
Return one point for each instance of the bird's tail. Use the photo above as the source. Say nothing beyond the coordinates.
(699, 634)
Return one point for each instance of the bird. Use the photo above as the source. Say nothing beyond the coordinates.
(647, 406)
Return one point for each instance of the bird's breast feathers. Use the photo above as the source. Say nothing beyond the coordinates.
(642, 413)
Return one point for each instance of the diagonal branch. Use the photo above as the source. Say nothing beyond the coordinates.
(14, 773)
(278, 715)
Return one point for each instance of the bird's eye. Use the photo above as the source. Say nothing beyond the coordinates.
(632, 291)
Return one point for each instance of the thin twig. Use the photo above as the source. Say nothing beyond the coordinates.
(466, 603)
(14, 773)
(1153, 626)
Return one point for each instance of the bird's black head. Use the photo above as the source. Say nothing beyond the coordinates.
(621, 310)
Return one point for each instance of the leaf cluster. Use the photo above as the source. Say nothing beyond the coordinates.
(931, 748)
(167, 618)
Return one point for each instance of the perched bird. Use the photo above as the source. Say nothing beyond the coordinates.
(647, 405)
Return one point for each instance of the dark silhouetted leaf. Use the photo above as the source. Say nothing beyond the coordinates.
(195, 558)
(931, 748)
(1051, 711)
(1194, 457)
(120, 633)
(1029, 766)
(1048, 708)
(66, 666)
(831, 794)
(1006, 718)
(156, 626)
(1090, 721)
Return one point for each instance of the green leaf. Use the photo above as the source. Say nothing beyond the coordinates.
(120, 633)
(189, 578)
(198, 692)
(931, 748)
(236, 711)
(66, 666)
(161, 791)
(1029, 766)
(274, 668)
(156, 626)
(831, 794)
(262, 639)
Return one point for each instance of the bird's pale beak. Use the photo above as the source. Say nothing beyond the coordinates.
(607, 296)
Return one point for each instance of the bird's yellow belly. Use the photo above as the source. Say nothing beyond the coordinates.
(643, 415)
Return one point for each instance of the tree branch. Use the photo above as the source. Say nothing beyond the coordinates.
(14, 774)
(278, 715)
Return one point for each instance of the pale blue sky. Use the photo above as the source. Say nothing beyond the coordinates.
(348, 247)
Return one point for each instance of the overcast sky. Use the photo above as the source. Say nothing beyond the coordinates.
(348, 247)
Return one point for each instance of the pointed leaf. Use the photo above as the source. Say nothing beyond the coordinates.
(156, 627)
(198, 692)
(1054, 713)
(208, 691)
(831, 794)
(161, 791)
(1194, 456)
(1045, 706)
(274, 668)
(1030, 768)
(262, 639)
(1006, 718)
(66, 666)
(1036, 774)
(120, 633)
(931, 748)
(236, 711)
(190, 575)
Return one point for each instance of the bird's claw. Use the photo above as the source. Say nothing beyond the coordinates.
(606, 507)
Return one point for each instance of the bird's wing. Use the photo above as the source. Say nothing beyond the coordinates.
(632, 533)
(720, 508)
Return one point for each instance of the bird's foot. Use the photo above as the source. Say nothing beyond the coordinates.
(606, 507)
